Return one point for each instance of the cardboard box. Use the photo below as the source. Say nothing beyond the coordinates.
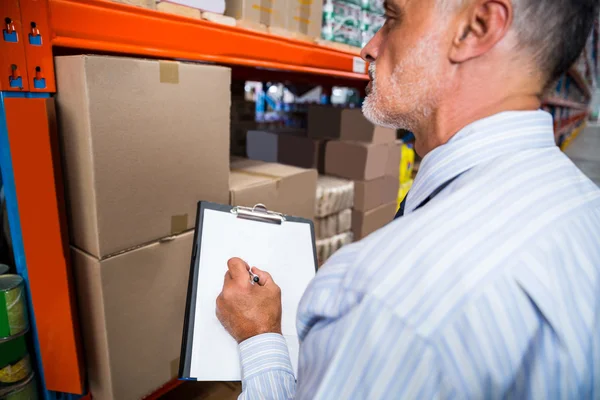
(302, 152)
(214, 6)
(218, 18)
(177, 9)
(394, 157)
(132, 307)
(258, 13)
(365, 223)
(369, 195)
(151, 4)
(282, 188)
(345, 124)
(356, 160)
(265, 145)
(305, 17)
(143, 141)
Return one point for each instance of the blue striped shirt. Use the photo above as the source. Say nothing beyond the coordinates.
(490, 290)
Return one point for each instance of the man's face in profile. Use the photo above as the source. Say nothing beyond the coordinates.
(406, 64)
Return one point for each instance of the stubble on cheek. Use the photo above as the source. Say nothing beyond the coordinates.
(410, 91)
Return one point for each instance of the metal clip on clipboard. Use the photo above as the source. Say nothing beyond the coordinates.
(258, 213)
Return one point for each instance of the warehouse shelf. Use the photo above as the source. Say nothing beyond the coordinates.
(581, 82)
(570, 124)
(102, 26)
(572, 136)
(557, 101)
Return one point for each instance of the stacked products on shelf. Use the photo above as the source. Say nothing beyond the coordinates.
(17, 378)
(294, 18)
(333, 215)
(243, 118)
(211, 10)
(407, 162)
(352, 22)
(361, 152)
(139, 148)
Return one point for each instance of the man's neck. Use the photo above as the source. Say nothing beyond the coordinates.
(448, 119)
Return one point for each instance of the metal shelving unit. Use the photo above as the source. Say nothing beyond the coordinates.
(33, 32)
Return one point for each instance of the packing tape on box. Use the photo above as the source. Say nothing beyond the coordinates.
(179, 223)
(169, 71)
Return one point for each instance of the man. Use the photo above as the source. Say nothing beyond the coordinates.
(488, 285)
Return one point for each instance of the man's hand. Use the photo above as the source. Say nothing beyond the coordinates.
(247, 310)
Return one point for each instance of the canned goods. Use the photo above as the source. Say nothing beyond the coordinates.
(15, 365)
(3, 269)
(26, 390)
(13, 309)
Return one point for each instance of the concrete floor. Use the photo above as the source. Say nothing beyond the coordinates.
(585, 152)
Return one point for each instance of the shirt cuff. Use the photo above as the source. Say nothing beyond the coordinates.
(266, 352)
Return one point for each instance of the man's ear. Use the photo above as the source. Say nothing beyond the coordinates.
(483, 24)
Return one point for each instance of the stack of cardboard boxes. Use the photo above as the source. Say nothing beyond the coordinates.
(142, 142)
(367, 154)
(293, 18)
(300, 19)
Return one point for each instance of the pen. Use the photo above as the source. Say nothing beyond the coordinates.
(253, 277)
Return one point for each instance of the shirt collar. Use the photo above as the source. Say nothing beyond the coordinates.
(477, 143)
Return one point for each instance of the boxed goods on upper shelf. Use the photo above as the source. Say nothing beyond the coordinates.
(341, 22)
(352, 22)
(370, 23)
(215, 6)
(254, 12)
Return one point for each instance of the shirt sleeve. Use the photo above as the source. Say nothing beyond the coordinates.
(368, 353)
(266, 368)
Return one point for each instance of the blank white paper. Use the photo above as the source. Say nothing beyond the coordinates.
(285, 251)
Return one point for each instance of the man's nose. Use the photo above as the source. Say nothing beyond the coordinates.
(369, 52)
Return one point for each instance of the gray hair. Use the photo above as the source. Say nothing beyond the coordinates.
(554, 32)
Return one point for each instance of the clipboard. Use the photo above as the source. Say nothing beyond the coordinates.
(280, 244)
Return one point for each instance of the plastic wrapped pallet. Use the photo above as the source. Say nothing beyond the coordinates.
(370, 24)
(326, 247)
(333, 195)
(341, 22)
(333, 224)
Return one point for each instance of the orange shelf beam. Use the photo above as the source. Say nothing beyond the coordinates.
(102, 26)
(31, 127)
